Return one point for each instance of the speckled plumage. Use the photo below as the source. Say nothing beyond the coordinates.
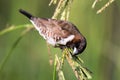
(59, 33)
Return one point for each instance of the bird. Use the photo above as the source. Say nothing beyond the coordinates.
(58, 33)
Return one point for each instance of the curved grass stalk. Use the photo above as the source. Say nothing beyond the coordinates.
(12, 28)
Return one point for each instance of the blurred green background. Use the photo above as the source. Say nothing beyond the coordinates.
(30, 59)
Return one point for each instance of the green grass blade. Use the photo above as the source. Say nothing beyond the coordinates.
(12, 48)
(54, 70)
(12, 28)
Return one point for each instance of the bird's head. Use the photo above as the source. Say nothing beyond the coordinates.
(79, 47)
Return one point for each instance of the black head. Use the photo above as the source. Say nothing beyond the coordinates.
(79, 47)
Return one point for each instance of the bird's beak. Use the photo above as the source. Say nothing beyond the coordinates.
(75, 51)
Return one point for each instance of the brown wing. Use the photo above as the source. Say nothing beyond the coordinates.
(71, 28)
(53, 26)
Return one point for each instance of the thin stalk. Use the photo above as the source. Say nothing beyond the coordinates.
(13, 46)
(12, 28)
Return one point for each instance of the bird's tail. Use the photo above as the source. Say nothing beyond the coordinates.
(28, 15)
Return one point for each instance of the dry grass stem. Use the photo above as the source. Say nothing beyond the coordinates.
(59, 67)
(49, 53)
(105, 6)
(62, 9)
(75, 62)
(94, 3)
